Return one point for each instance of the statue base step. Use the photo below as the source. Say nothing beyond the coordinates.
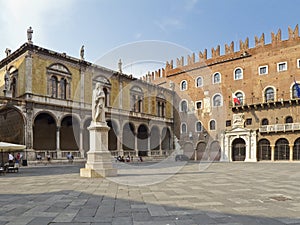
(99, 173)
(99, 164)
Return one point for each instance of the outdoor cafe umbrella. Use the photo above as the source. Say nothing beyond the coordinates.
(10, 147)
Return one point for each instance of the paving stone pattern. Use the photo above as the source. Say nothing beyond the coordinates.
(224, 193)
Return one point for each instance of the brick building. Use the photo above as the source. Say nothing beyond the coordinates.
(242, 105)
(45, 104)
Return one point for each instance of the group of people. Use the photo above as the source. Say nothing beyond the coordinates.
(39, 157)
(128, 159)
(15, 159)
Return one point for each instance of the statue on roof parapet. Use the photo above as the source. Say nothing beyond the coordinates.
(29, 35)
(82, 52)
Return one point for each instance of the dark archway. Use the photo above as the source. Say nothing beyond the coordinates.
(238, 150)
(296, 150)
(282, 149)
(142, 140)
(112, 136)
(44, 132)
(86, 136)
(166, 143)
(201, 147)
(154, 138)
(69, 133)
(263, 150)
(188, 149)
(128, 142)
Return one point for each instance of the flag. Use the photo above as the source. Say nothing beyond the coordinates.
(297, 89)
(236, 101)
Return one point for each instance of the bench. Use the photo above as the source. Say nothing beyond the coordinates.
(12, 167)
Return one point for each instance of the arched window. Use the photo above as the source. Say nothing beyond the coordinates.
(183, 85)
(161, 105)
(183, 106)
(216, 78)
(198, 126)
(240, 97)
(212, 125)
(217, 100)
(183, 128)
(136, 96)
(199, 82)
(238, 74)
(63, 88)
(269, 94)
(54, 87)
(296, 91)
(13, 87)
(289, 119)
(59, 81)
(264, 122)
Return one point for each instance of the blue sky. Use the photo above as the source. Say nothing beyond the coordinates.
(104, 25)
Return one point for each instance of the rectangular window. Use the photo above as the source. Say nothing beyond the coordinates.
(262, 70)
(282, 66)
(298, 63)
(199, 105)
(228, 123)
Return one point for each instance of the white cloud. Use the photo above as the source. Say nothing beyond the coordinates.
(190, 5)
(18, 15)
(169, 23)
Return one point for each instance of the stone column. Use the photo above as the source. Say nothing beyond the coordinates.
(81, 150)
(291, 151)
(58, 142)
(28, 73)
(136, 145)
(82, 86)
(272, 152)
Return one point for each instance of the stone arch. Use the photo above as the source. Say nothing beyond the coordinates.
(142, 140)
(12, 127)
(128, 142)
(263, 150)
(112, 135)
(188, 149)
(69, 133)
(201, 149)
(166, 141)
(154, 138)
(296, 149)
(86, 136)
(282, 149)
(44, 131)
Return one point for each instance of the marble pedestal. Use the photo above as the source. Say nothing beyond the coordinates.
(99, 159)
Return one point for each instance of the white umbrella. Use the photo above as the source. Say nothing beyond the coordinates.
(10, 147)
(7, 147)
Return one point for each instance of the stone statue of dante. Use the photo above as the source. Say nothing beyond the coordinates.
(98, 113)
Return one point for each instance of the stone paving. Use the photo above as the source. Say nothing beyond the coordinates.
(222, 193)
